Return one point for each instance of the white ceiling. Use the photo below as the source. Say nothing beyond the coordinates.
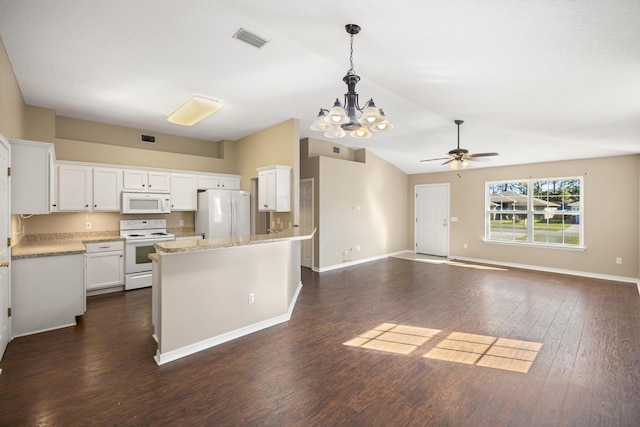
(535, 81)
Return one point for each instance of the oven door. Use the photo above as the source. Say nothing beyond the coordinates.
(137, 254)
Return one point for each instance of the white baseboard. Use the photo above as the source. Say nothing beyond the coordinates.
(355, 262)
(552, 270)
(504, 264)
(188, 350)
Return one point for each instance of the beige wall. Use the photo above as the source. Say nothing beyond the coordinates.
(87, 141)
(277, 145)
(11, 102)
(611, 210)
(357, 203)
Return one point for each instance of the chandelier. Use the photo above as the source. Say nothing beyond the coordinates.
(338, 119)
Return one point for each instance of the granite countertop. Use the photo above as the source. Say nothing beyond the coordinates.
(181, 246)
(53, 244)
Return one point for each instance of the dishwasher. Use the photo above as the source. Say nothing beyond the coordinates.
(104, 267)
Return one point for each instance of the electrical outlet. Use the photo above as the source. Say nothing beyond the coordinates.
(181, 222)
(466, 246)
(357, 247)
(87, 226)
(618, 260)
(252, 298)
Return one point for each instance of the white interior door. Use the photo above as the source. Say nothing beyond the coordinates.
(306, 220)
(5, 251)
(432, 219)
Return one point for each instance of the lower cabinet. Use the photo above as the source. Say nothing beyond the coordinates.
(46, 293)
(103, 265)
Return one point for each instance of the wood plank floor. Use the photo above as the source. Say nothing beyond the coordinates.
(587, 372)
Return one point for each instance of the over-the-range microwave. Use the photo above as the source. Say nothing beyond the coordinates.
(145, 203)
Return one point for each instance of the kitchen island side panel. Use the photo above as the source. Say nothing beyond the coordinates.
(205, 294)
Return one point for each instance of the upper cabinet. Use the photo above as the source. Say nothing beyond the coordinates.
(107, 186)
(74, 190)
(32, 177)
(183, 192)
(218, 182)
(141, 180)
(274, 189)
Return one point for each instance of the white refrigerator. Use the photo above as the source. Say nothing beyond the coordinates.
(223, 213)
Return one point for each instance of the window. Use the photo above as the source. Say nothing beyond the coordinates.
(535, 211)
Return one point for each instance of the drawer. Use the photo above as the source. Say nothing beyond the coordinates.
(104, 246)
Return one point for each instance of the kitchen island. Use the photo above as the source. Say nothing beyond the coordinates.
(210, 291)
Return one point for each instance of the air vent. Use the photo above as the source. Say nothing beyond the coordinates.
(148, 139)
(336, 150)
(249, 38)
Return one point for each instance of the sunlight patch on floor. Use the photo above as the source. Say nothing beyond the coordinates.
(393, 338)
(490, 352)
(459, 347)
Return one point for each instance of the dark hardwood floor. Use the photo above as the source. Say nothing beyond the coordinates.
(587, 372)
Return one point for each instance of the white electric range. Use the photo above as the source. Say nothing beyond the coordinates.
(140, 235)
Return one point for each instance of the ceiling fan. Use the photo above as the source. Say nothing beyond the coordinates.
(459, 156)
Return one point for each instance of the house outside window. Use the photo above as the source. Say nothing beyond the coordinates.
(536, 212)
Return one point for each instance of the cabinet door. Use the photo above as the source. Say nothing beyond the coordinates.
(267, 190)
(103, 269)
(206, 182)
(31, 177)
(74, 188)
(107, 186)
(135, 180)
(159, 181)
(229, 183)
(183, 192)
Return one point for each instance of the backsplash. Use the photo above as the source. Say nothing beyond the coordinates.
(74, 222)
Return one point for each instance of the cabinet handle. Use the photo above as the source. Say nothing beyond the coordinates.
(95, 206)
(86, 206)
(4, 264)
(54, 205)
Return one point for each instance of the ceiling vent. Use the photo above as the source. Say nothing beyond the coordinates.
(249, 38)
(149, 139)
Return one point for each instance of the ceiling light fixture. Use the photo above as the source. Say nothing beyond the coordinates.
(194, 110)
(338, 119)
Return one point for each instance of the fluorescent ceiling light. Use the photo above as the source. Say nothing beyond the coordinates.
(194, 110)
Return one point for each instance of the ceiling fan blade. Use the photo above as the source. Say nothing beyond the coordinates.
(440, 158)
(449, 161)
(482, 155)
(476, 159)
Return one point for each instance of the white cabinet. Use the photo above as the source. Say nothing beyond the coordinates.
(32, 177)
(74, 188)
(219, 182)
(274, 189)
(46, 293)
(184, 195)
(107, 186)
(103, 265)
(141, 180)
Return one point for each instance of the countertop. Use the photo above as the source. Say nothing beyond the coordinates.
(181, 246)
(54, 244)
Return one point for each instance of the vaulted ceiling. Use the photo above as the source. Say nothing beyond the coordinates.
(535, 81)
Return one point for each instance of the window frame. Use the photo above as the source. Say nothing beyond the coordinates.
(531, 213)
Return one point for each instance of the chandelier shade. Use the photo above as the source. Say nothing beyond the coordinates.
(359, 121)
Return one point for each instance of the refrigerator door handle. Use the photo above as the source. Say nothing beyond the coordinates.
(233, 218)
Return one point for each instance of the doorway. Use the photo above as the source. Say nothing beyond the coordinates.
(306, 220)
(432, 219)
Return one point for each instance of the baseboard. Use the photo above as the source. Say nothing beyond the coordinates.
(553, 270)
(179, 353)
(356, 262)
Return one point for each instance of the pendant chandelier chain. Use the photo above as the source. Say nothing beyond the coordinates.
(351, 70)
